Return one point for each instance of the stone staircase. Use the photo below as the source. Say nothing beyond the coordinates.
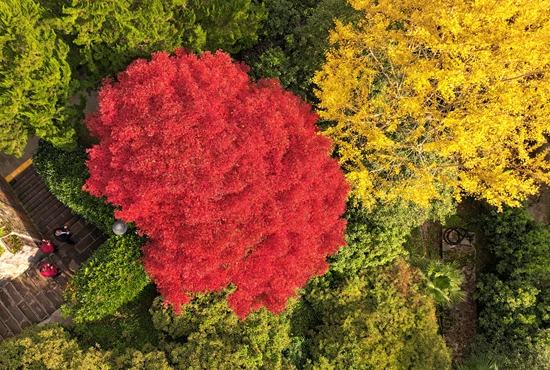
(30, 298)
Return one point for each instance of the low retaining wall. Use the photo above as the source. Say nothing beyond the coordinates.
(17, 222)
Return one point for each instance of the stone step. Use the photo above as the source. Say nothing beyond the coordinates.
(29, 183)
(25, 179)
(31, 298)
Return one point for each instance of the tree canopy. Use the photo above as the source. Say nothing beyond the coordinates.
(107, 36)
(377, 320)
(228, 178)
(208, 335)
(34, 79)
(512, 292)
(432, 95)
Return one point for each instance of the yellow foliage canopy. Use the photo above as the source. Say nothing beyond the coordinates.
(429, 95)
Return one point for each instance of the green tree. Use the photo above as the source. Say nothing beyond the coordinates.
(512, 291)
(377, 320)
(34, 79)
(229, 25)
(53, 348)
(525, 354)
(48, 348)
(108, 35)
(293, 42)
(208, 335)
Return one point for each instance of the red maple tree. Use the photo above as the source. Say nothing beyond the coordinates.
(228, 178)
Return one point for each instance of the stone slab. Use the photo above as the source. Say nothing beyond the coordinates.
(28, 312)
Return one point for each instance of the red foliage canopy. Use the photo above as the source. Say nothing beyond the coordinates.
(227, 177)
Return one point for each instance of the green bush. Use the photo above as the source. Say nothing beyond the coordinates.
(525, 354)
(376, 238)
(377, 320)
(443, 282)
(48, 348)
(64, 173)
(53, 348)
(208, 335)
(512, 292)
(112, 277)
(130, 328)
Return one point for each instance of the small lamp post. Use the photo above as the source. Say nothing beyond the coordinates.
(119, 227)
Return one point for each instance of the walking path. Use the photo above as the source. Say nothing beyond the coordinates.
(30, 298)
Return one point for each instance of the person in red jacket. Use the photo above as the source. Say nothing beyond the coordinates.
(47, 269)
(47, 246)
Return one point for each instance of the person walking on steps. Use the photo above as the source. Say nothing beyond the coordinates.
(63, 234)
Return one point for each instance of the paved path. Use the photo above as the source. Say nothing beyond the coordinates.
(31, 298)
(9, 164)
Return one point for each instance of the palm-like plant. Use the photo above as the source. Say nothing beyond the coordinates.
(478, 362)
(443, 282)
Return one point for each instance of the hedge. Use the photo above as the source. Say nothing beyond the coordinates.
(64, 173)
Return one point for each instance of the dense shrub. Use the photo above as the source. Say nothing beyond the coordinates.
(130, 328)
(112, 277)
(525, 354)
(48, 348)
(208, 335)
(376, 238)
(53, 348)
(376, 320)
(64, 173)
(512, 291)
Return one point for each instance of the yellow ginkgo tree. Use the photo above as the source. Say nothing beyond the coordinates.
(431, 96)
